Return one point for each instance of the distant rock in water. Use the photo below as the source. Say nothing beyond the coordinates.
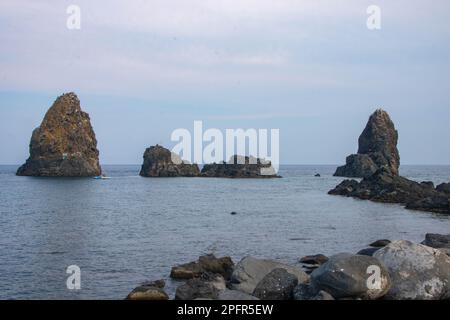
(240, 167)
(64, 145)
(377, 149)
(161, 162)
(384, 186)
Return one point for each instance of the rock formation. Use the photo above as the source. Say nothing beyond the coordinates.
(384, 186)
(240, 167)
(377, 149)
(160, 162)
(64, 145)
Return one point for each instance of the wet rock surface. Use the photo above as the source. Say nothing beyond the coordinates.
(383, 186)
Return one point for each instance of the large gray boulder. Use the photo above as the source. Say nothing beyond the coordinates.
(250, 271)
(351, 276)
(418, 272)
(277, 285)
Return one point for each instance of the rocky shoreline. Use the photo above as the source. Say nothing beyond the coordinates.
(377, 162)
(397, 270)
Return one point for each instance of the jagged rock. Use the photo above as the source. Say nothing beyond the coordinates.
(347, 276)
(418, 272)
(250, 271)
(64, 145)
(276, 285)
(205, 264)
(240, 167)
(160, 162)
(444, 188)
(377, 149)
(384, 186)
(235, 295)
(316, 259)
(149, 291)
(380, 243)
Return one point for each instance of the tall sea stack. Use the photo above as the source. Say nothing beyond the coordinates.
(64, 145)
(377, 149)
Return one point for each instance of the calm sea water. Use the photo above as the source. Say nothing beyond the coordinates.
(126, 230)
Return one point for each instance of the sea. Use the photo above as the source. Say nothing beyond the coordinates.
(127, 230)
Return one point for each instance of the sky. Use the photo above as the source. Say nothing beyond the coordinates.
(310, 68)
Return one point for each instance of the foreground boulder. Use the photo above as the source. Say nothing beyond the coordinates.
(160, 162)
(149, 291)
(418, 272)
(276, 285)
(199, 288)
(377, 149)
(249, 272)
(383, 186)
(205, 265)
(240, 167)
(306, 292)
(348, 276)
(64, 145)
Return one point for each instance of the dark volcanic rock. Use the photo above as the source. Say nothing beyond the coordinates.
(377, 149)
(160, 162)
(196, 288)
(306, 292)
(277, 285)
(249, 272)
(367, 251)
(64, 145)
(205, 265)
(316, 259)
(240, 167)
(384, 186)
(437, 240)
(380, 243)
(444, 188)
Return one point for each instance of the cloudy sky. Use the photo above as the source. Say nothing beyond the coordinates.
(311, 68)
